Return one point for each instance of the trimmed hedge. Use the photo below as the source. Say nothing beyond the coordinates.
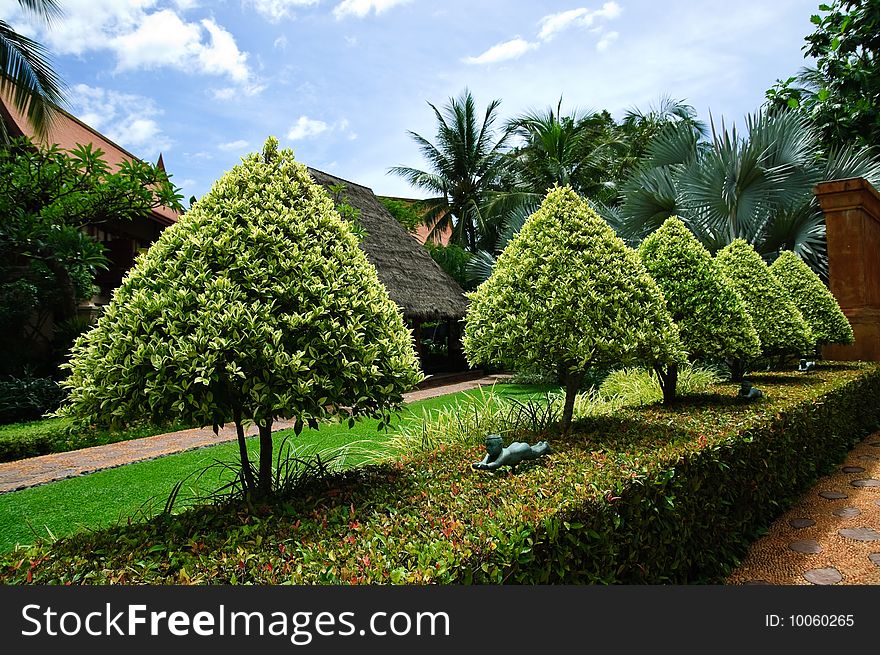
(649, 495)
(59, 435)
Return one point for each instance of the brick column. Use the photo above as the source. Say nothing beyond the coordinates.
(852, 220)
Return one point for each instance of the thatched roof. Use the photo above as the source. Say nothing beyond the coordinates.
(418, 285)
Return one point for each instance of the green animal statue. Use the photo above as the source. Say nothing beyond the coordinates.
(498, 456)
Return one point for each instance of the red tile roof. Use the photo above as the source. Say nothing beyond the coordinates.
(67, 132)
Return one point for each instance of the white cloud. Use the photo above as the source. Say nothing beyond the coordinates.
(502, 52)
(552, 24)
(125, 118)
(234, 145)
(606, 40)
(361, 8)
(275, 10)
(306, 127)
(280, 42)
(142, 36)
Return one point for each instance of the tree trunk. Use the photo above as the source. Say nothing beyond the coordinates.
(737, 370)
(265, 473)
(572, 385)
(248, 474)
(668, 382)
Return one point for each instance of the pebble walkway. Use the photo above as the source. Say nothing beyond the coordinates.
(831, 537)
(58, 466)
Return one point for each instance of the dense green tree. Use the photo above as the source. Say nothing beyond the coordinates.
(26, 72)
(47, 262)
(712, 319)
(257, 304)
(819, 307)
(466, 162)
(841, 93)
(757, 187)
(781, 328)
(568, 295)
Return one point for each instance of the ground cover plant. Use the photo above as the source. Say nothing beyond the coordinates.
(138, 491)
(258, 304)
(567, 295)
(649, 495)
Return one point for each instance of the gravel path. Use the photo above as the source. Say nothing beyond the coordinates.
(832, 536)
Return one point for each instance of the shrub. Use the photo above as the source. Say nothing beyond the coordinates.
(639, 386)
(711, 318)
(567, 295)
(815, 302)
(257, 304)
(27, 398)
(780, 326)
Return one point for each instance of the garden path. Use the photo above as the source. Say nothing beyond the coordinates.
(34, 471)
(831, 536)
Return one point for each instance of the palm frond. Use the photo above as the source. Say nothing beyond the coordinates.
(26, 72)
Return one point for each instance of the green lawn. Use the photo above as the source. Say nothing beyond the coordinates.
(134, 491)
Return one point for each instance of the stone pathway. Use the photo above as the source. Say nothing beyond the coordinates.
(58, 466)
(832, 536)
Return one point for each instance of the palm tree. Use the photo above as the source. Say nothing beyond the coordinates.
(756, 186)
(26, 71)
(466, 163)
(585, 150)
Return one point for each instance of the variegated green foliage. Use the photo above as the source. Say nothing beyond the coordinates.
(780, 325)
(568, 294)
(818, 306)
(711, 318)
(258, 304)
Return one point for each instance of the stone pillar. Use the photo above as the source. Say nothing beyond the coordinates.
(852, 220)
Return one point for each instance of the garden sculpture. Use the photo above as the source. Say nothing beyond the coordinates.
(498, 456)
(806, 366)
(748, 392)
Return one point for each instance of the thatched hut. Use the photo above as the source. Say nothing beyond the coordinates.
(432, 303)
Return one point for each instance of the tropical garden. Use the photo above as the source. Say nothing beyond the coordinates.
(633, 273)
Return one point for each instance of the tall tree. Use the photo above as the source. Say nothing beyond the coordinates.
(711, 318)
(257, 304)
(841, 93)
(26, 72)
(568, 295)
(47, 197)
(466, 161)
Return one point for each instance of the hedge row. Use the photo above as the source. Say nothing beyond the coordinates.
(651, 495)
(59, 435)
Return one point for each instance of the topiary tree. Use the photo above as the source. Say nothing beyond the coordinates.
(815, 302)
(780, 326)
(567, 295)
(257, 304)
(712, 319)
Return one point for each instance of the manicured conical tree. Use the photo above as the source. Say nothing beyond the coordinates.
(712, 319)
(565, 295)
(815, 302)
(780, 326)
(258, 304)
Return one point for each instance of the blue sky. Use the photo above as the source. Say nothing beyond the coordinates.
(342, 81)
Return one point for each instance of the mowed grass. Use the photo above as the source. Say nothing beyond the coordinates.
(137, 491)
